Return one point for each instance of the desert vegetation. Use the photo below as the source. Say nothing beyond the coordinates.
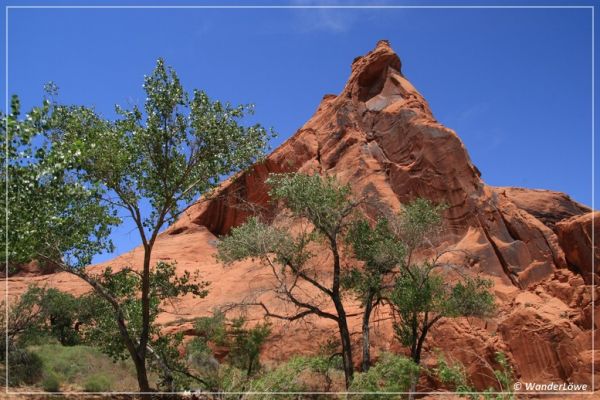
(72, 176)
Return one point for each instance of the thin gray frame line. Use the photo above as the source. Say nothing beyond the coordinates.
(308, 7)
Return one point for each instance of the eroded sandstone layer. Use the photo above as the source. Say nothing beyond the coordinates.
(380, 136)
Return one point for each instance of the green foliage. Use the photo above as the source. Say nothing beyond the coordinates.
(51, 383)
(416, 293)
(213, 328)
(25, 367)
(454, 376)
(380, 250)
(244, 343)
(470, 297)
(60, 311)
(254, 239)
(322, 200)
(74, 365)
(284, 378)
(418, 222)
(51, 215)
(421, 297)
(151, 164)
(327, 206)
(391, 374)
(39, 315)
(505, 378)
(102, 329)
(167, 154)
(97, 383)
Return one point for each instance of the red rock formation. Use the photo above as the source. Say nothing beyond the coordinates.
(380, 136)
(575, 237)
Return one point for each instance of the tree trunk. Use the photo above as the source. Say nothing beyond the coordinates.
(366, 345)
(341, 312)
(140, 360)
(346, 351)
(142, 375)
(346, 342)
(416, 356)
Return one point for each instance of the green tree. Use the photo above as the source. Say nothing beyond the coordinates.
(422, 294)
(382, 253)
(159, 160)
(101, 328)
(421, 297)
(328, 207)
(149, 164)
(418, 295)
(43, 201)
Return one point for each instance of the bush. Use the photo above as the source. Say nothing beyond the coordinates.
(51, 383)
(24, 367)
(297, 375)
(97, 383)
(284, 378)
(391, 374)
(74, 365)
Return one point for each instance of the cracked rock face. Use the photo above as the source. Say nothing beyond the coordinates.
(380, 136)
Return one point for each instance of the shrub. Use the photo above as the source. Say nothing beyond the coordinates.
(24, 367)
(296, 375)
(454, 375)
(97, 383)
(391, 374)
(244, 343)
(284, 378)
(51, 382)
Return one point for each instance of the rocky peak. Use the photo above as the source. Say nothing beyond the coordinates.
(371, 72)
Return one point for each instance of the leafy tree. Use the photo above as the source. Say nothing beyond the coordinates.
(150, 164)
(23, 316)
(34, 315)
(421, 298)
(455, 376)
(37, 314)
(418, 295)
(43, 200)
(385, 249)
(102, 328)
(382, 253)
(60, 311)
(328, 207)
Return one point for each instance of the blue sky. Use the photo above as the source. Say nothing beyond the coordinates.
(515, 84)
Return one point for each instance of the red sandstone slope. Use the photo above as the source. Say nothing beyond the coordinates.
(380, 136)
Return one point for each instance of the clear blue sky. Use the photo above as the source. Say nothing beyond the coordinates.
(515, 84)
